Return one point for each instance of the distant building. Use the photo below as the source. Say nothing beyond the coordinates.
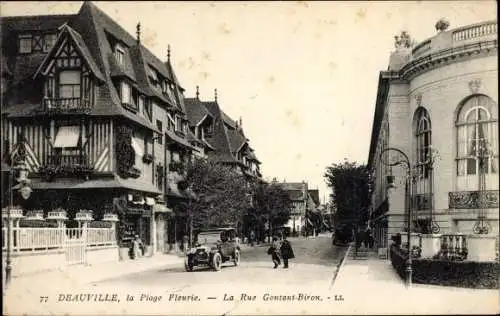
(438, 103)
(303, 201)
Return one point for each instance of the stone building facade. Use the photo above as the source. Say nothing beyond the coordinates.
(438, 103)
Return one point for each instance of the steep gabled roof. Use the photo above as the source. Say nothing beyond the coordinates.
(314, 195)
(23, 66)
(293, 185)
(19, 24)
(219, 139)
(80, 46)
(196, 111)
(236, 140)
(229, 121)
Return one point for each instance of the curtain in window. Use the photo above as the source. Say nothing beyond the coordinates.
(126, 93)
(477, 134)
(69, 84)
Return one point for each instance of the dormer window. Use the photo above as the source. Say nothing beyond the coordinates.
(208, 130)
(171, 123)
(127, 95)
(178, 125)
(25, 44)
(119, 54)
(152, 76)
(48, 42)
(69, 84)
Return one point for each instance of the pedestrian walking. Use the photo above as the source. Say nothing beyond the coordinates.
(275, 252)
(252, 238)
(286, 252)
(136, 247)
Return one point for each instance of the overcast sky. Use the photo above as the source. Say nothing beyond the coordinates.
(302, 75)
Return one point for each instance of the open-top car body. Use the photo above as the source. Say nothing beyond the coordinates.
(213, 248)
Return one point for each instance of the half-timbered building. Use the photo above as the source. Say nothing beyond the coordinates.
(97, 120)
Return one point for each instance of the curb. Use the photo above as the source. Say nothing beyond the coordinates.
(340, 265)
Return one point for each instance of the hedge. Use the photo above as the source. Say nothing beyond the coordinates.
(37, 223)
(99, 224)
(467, 274)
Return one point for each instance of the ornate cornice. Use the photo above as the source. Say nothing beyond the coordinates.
(446, 57)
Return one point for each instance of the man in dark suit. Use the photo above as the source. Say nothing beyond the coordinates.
(286, 252)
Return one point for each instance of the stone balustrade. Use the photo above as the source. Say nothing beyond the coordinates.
(454, 245)
(475, 31)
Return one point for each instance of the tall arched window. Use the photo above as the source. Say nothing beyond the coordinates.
(423, 142)
(477, 136)
(422, 190)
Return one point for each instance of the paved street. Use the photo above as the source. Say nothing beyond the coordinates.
(254, 286)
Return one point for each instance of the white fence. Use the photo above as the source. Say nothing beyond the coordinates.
(37, 239)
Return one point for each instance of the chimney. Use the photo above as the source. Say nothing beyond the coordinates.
(168, 53)
(198, 92)
(241, 123)
(215, 94)
(138, 33)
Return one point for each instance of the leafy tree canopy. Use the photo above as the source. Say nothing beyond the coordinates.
(273, 202)
(223, 194)
(350, 184)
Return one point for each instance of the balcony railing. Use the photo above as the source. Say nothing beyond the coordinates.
(66, 105)
(422, 202)
(475, 31)
(473, 199)
(454, 246)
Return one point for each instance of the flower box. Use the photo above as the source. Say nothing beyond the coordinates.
(134, 173)
(176, 167)
(57, 215)
(14, 212)
(100, 224)
(147, 158)
(34, 215)
(110, 217)
(84, 215)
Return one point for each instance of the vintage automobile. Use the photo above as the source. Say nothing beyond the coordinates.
(213, 248)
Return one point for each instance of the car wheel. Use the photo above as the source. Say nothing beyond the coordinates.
(188, 266)
(217, 262)
(236, 257)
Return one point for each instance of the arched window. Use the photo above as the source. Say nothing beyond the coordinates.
(423, 142)
(477, 138)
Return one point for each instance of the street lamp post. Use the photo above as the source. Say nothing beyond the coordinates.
(8, 268)
(481, 226)
(402, 158)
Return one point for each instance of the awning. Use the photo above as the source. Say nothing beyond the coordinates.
(5, 167)
(150, 201)
(67, 136)
(160, 208)
(138, 148)
(68, 184)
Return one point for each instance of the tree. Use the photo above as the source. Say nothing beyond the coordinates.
(272, 204)
(222, 194)
(350, 184)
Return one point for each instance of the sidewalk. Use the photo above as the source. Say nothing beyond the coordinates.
(82, 275)
(380, 290)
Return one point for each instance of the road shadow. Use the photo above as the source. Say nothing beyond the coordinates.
(195, 269)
